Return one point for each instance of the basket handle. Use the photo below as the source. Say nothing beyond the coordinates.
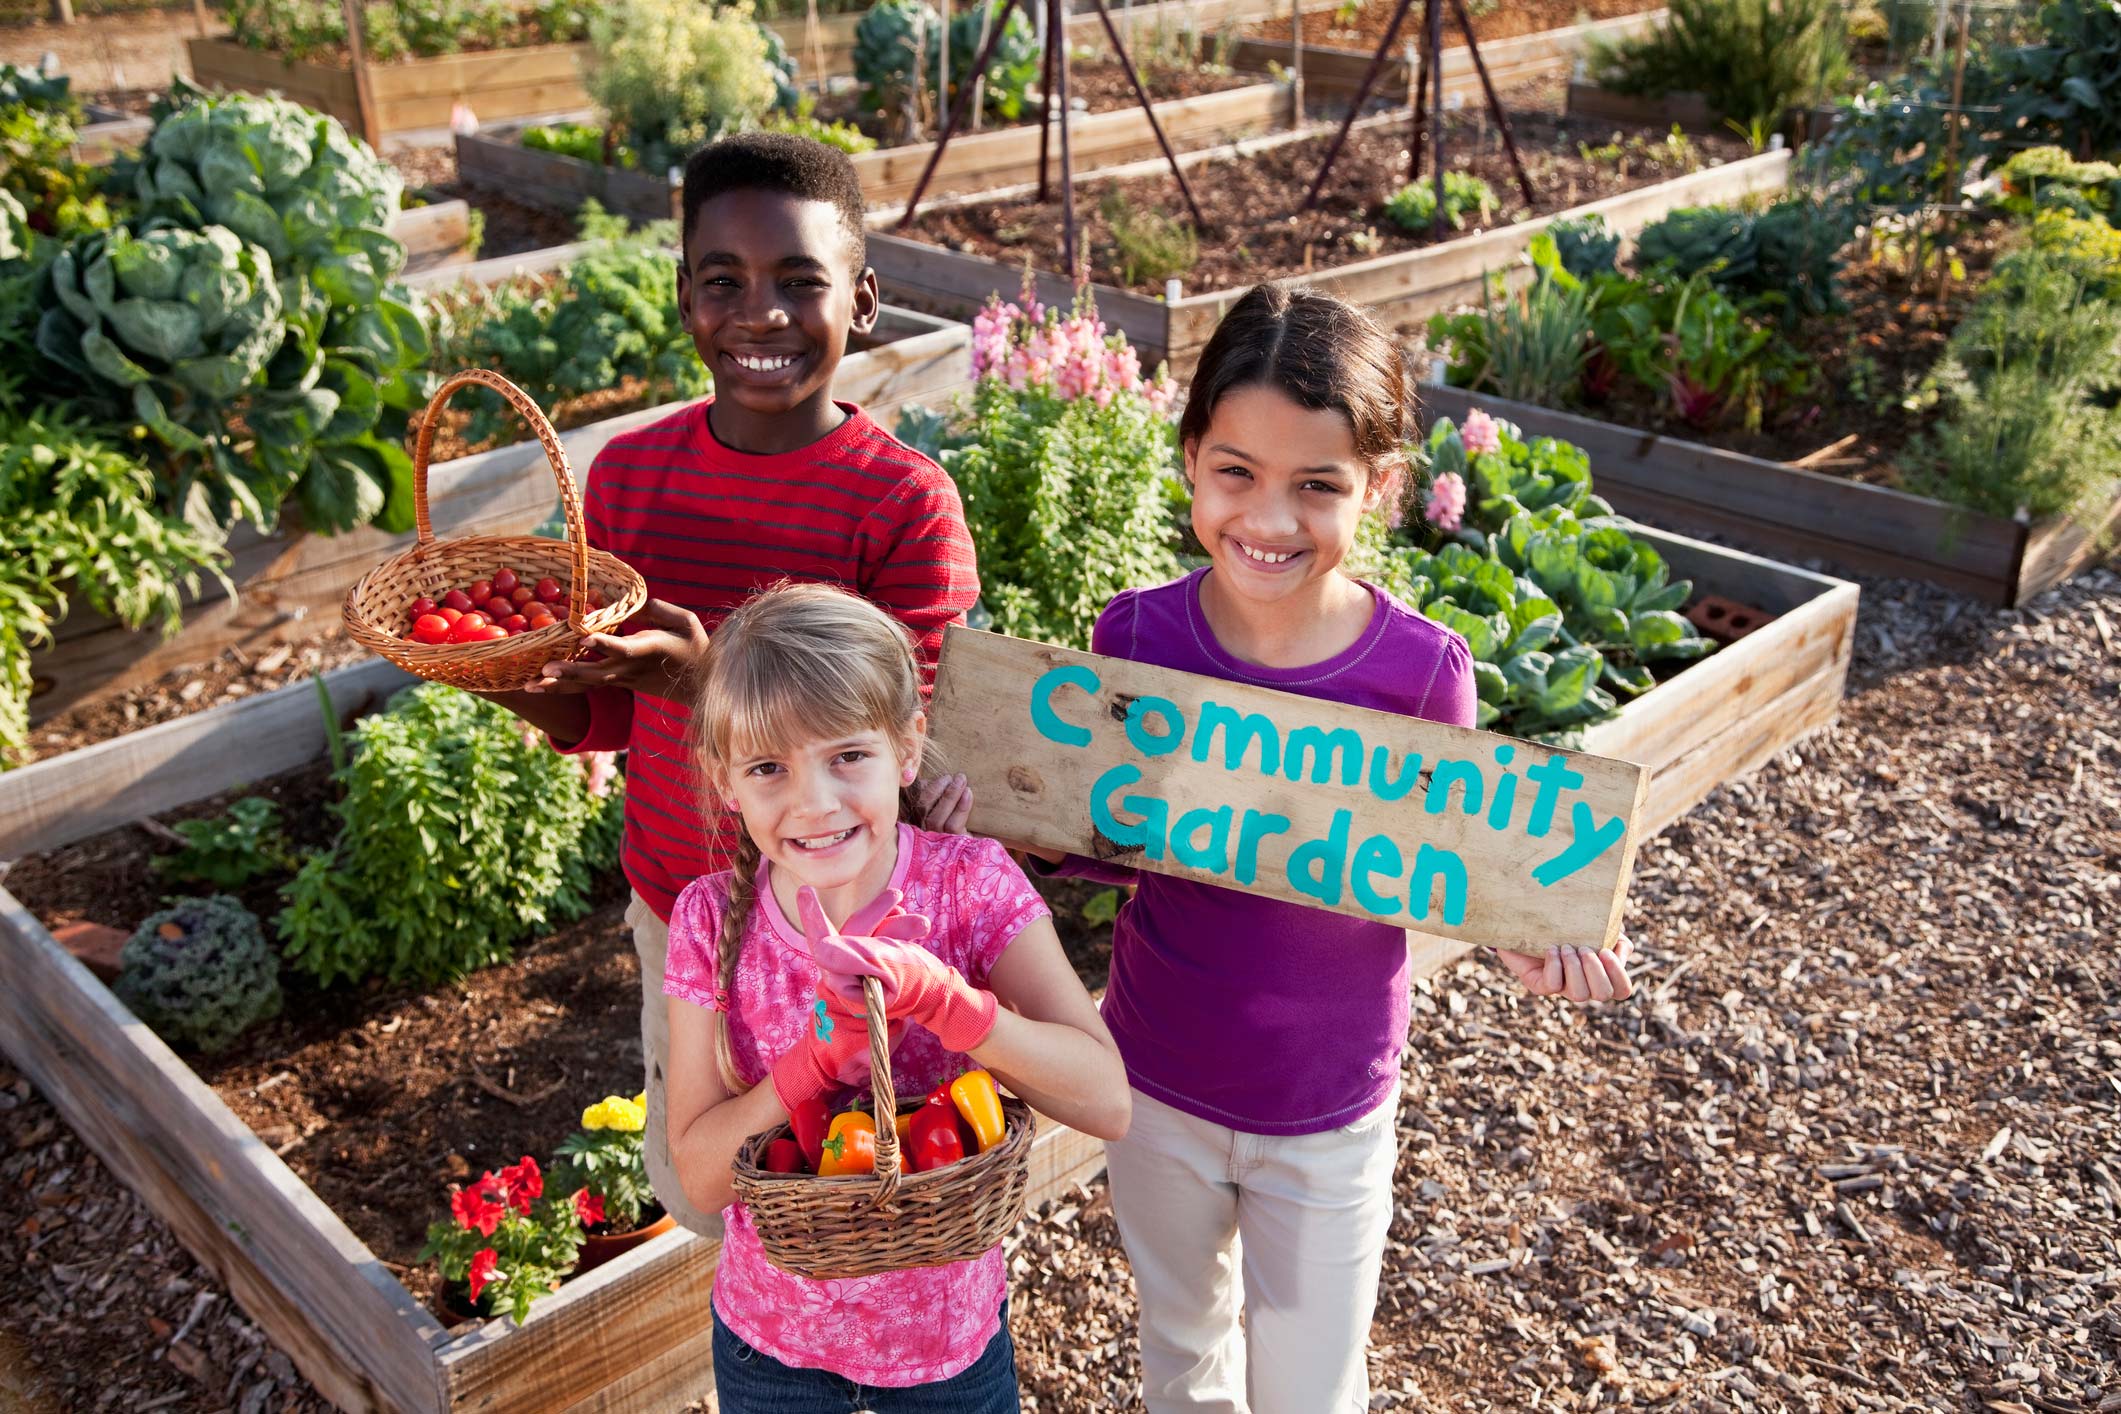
(887, 1152)
(555, 456)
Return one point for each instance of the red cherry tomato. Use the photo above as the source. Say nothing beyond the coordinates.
(514, 623)
(421, 605)
(497, 608)
(481, 590)
(538, 621)
(548, 590)
(522, 594)
(457, 599)
(504, 581)
(474, 619)
(431, 628)
(449, 614)
(489, 633)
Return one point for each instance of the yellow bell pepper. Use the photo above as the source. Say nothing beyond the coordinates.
(850, 1145)
(981, 1106)
(904, 1125)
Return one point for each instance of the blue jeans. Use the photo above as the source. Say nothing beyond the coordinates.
(748, 1381)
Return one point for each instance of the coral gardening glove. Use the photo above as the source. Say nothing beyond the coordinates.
(881, 941)
(833, 1051)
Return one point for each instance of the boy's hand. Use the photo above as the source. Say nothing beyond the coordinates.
(1580, 974)
(946, 804)
(660, 660)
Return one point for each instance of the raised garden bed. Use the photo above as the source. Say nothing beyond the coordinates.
(283, 577)
(417, 93)
(1250, 189)
(1335, 60)
(496, 159)
(1793, 511)
(630, 1336)
(1689, 111)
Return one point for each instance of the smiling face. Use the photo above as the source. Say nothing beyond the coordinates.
(1278, 489)
(767, 295)
(825, 811)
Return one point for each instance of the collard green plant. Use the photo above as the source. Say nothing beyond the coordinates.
(1585, 246)
(228, 851)
(200, 973)
(1753, 60)
(22, 87)
(81, 521)
(896, 55)
(415, 888)
(676, 75)
(1788, 256)
(249, 319)
(1413, 206)
(2068, 86)
(1565, 611)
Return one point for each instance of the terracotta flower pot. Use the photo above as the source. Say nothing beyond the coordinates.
(452, 1306)
(599, 1248)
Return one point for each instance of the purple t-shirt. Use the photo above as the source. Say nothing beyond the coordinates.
(1265, 1016)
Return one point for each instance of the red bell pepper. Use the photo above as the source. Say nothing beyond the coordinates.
(938, 1147)
(809, 1123)
(785, 1156)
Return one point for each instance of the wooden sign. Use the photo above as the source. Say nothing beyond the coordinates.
(1460, 833)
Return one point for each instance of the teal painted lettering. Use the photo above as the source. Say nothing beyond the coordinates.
(1324, 747)
(1431, 864)
(1382, 785)
(1591, 840)
(1552, 776)
(1109, 825)
(1505, 803)
(1213, 854)
(1256, 826)
(1374, 856)
(1156, 814)
(1045, 719)
(1169, 739)
(1441, 779)
(1316, 867)
(1239, 732)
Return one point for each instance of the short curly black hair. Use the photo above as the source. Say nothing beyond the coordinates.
(778, 162)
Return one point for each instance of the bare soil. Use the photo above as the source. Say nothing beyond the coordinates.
(1854, 1146)
(1255, 229)
(1325, 27)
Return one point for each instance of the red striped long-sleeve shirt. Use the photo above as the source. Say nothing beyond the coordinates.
(707, 527)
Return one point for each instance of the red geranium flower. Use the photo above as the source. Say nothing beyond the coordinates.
(483, 1263)
(524, 1183)
(476, 1208)
(588, 1207)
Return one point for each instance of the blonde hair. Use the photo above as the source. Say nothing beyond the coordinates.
(793, 663)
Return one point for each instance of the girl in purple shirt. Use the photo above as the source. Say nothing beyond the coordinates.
(1262, 1039)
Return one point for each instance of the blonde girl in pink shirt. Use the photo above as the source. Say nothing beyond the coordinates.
(813, 732)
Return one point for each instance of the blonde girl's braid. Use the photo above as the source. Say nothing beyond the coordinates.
(736, 916)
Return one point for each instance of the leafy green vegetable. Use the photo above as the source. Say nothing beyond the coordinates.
(896, 57)
(200, 973)
(229, 851)
(1413, 206)
(582, 141)
(416, 888)
(80, 520)
(610, 316)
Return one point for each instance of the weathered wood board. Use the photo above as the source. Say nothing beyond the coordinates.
(412, 94)
(1386, 818)
(1789, 510)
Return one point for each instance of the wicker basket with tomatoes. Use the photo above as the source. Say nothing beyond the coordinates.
(488, 612)
(846, 1195)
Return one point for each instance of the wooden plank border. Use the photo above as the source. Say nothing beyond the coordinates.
(1789, 510)
(1329, 69)
(412, 94)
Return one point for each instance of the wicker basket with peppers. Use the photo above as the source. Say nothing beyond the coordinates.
(834, 1196)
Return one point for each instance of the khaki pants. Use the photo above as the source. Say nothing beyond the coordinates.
(651, 939)
(1294, 1225)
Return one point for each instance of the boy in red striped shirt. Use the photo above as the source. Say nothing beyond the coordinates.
(769, 479)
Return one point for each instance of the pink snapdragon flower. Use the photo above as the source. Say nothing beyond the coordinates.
(1446, 505)
(1480, 433)
(1076, 356)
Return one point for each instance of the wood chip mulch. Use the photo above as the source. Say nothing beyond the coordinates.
(1855, 1145)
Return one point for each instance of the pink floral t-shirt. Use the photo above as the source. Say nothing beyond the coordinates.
(901, 1328)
